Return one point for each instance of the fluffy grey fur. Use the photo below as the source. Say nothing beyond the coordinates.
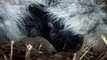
(11, 21)
(83, 17)
(77, 15)
(12, 13)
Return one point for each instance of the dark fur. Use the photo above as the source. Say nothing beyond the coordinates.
(38, 25)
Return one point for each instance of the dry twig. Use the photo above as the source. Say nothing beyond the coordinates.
(28, 50)
(86, 52)
(104, 39)
(74, 58)
(11, 51)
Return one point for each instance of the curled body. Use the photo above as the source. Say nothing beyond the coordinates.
(82, 18)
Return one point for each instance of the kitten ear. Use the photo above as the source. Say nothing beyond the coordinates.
(51, 26)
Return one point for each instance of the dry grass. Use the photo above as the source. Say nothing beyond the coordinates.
(15, 53)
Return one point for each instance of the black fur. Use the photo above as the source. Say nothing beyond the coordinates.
(38, 25)
(63, 40)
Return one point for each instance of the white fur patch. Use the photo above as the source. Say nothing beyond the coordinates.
(79, 16)
(13, 12)
(13, 21)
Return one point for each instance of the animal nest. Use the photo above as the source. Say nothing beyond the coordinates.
(24, 51)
